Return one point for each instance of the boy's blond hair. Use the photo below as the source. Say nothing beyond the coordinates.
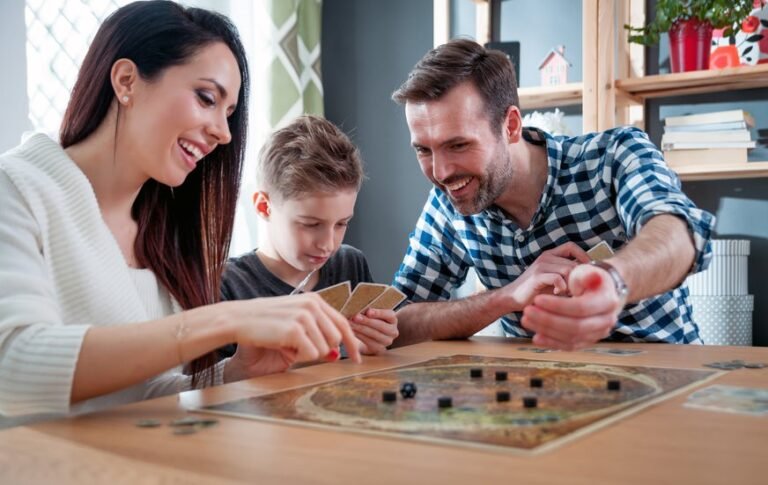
(309, 155)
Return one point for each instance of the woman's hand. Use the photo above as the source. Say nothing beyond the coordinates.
(273, 333)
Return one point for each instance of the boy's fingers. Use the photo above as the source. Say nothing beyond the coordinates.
(372, 334)
(378, 325)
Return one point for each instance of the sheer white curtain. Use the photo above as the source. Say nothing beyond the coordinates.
(282, 41)
(253, 21)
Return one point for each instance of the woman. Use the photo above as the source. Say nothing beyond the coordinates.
(107, 236)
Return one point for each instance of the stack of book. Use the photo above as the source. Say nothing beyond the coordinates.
(722, 137)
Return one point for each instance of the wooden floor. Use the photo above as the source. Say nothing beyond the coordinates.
(664, 443)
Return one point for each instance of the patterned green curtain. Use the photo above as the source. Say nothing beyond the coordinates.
(295, 80)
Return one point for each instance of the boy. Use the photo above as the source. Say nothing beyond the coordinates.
(308, 177)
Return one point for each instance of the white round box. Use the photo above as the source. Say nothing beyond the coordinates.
(724, 319)
(727, 273)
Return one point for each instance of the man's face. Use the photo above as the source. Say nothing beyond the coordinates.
(458, 149)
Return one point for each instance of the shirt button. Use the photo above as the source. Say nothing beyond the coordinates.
(520, 238)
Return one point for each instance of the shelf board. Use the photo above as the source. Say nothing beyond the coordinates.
(690, 173)
(539, 97)
(694, 82)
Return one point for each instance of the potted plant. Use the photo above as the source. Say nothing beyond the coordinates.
(690, 24)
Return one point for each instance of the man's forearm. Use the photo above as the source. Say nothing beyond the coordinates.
(442, 320)
(658, 259)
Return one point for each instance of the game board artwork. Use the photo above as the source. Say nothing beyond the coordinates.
(572, 399)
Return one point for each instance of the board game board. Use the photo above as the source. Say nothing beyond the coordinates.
(573, 399)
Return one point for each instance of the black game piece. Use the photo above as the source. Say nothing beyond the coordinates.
(614, 385)
(536, 382)
(408, 390)
(475, 372)
(502, 396)
(501, 375)
(389, 396)
(444, 402)
(530, 402)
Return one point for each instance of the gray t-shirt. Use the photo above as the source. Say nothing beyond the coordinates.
(246, 277)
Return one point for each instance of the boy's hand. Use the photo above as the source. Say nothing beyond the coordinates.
(376, 329)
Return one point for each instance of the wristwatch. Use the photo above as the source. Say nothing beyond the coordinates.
(621, 287)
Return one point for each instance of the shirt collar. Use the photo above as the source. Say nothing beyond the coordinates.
(554, 151)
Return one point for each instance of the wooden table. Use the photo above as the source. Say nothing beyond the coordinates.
(664, 443)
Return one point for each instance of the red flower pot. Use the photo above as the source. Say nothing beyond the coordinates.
(689, 44)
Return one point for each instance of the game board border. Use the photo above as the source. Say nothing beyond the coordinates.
(453, 443)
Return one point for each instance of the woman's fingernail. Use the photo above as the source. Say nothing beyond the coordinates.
(333, 355)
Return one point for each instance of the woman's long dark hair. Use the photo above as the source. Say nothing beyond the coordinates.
(184, 233)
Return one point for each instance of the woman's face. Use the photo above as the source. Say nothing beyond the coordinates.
(175, 120)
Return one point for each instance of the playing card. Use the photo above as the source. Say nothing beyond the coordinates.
(388, 300)
(730, 399)
(613, 351)
(361, 298)
(336, 295)
(536, 350)
(600, 251)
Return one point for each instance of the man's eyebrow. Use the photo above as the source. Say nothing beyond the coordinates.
(450, 141)
(455, 139)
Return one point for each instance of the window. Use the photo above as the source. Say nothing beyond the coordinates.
(58, 35)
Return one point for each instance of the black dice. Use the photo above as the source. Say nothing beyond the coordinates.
(408, 390)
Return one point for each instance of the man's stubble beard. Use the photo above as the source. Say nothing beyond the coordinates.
(493, 183)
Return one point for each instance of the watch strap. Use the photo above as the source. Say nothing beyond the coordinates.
(621, 286)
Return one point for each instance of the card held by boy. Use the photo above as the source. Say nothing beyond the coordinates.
(388, 300)
(362, 297)
(336, 295)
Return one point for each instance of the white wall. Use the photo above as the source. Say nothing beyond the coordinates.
(14, 118)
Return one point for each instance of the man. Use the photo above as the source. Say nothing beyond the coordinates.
(522, 207)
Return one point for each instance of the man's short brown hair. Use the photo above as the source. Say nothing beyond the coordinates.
(455, 62)
(309, 155)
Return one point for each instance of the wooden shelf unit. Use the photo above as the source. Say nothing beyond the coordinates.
(540, 97)
(640, 89)
(696, 82)
(722, 171)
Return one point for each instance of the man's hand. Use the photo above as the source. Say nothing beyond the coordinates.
(579, 320)
(547, 275)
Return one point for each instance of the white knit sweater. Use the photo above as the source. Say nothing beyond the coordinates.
(61, 272)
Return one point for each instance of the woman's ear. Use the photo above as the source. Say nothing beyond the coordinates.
(124, 77)
(262, 204)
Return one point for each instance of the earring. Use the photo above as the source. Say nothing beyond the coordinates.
(125, 99)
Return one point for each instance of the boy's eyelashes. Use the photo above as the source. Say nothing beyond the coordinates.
(317, 224)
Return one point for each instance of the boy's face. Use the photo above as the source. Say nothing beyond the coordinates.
(305, 232)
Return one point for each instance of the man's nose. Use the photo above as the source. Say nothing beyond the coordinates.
(441, 169)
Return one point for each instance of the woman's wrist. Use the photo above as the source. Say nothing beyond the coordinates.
(203, 330)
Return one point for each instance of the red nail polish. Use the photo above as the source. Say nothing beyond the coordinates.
(333, 355)
(594, 282)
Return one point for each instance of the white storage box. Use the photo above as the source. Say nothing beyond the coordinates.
(727, 273)
(724, 319)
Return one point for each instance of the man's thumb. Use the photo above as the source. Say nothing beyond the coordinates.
(585, 278)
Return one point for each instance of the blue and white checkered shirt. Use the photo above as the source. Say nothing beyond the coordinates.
(601, 186)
